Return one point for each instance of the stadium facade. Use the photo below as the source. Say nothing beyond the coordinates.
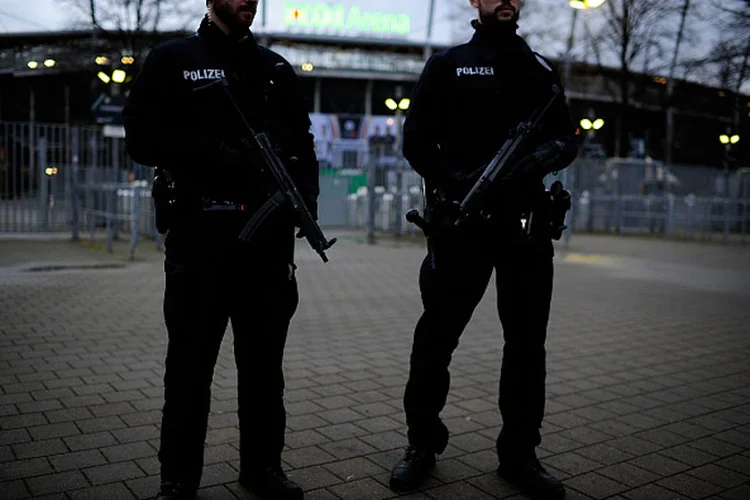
(352, 58)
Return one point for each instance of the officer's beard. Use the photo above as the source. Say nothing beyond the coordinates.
(230, 17)
(492, 20)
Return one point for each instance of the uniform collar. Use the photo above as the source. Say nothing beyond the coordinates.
(500, 41)
(214, 35)
(501, 35)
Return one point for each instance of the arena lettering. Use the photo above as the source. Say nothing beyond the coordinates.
(325, 17)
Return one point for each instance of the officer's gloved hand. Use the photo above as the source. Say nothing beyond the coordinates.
(540, 162)
(464, 180)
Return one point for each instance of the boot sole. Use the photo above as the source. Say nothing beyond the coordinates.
(557, 494)
(401, 486)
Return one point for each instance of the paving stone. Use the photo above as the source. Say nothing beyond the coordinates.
(648, 388)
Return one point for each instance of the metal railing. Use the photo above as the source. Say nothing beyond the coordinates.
(61, 178)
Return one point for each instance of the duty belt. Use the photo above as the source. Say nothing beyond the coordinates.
(210, 205)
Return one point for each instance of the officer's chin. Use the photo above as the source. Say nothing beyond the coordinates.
(246, 18)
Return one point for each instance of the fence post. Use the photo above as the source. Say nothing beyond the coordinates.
(743, 222)
(727, 217)
(108, 195)
(43, 182)
(90, 215)
(94, 198)
(399, 227)
(689, 201)
(136, 210)
(667, 203)
(74, 181)
(371, 198)
(569, 176)
(116, 180)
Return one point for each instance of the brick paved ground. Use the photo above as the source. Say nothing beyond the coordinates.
(649, 385)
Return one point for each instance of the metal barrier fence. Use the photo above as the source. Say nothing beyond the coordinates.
(61, 178)
(616, 196)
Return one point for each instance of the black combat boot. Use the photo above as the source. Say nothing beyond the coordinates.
(412, 470)
(523, 470)
(271, 483)
(171, 490)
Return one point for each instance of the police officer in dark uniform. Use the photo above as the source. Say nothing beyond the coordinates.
(176, 120)
(465, 103)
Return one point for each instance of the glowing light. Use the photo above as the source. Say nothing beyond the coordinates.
(49, 63)
(391, 104)
(32, 64)
(586, 4)
(118, 76)
(103, 77)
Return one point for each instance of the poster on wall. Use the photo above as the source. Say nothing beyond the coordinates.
(345, 141)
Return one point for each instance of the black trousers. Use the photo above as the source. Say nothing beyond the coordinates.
(204, 291)
(453, 279)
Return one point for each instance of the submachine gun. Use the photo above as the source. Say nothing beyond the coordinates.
(287, 192)
(499, 170)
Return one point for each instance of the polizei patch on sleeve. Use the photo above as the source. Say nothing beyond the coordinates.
(475, 70)
(203, 74)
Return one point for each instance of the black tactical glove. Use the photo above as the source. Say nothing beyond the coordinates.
(462, 181)
(542, 161)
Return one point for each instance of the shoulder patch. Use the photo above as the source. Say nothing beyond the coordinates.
(543, 62)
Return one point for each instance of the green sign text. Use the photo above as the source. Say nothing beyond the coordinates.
(324, 17)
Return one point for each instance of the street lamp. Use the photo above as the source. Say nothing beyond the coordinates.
(595, 124)
(729, 139)
(402, 105)
(118, 76)
(576, 5)
(586, 4)
(399, 107)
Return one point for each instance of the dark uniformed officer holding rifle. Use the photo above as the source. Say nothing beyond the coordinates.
(488, 123)
(225, 122)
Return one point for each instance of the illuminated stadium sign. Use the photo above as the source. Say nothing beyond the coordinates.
(319, 16)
